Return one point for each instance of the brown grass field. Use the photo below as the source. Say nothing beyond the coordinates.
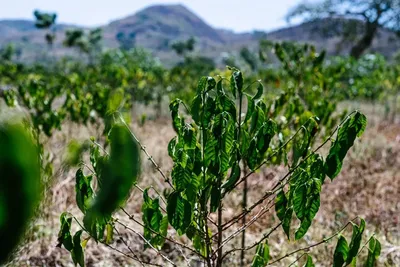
(368, 186)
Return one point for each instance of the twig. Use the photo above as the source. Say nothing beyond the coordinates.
(262, 211)
(325, 240)
(126, 244)
(298, 258)
(131, 217)
(149, 157)
(148, 243)
(255, 243)
(115, 249)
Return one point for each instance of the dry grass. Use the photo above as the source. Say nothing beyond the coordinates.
(369, 186)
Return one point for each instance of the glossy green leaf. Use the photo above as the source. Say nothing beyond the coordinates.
(261, 257)
(352, 128)
(341, 252)
(355, 242)
(179, 212)
(374, 251)
(233, 178)
(260, 91)
(309, 262)
(83, 190)
(77, 251)
(64, 235)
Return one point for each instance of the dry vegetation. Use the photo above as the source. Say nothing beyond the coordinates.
(368, 186)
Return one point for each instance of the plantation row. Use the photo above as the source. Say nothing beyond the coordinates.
(227, 128)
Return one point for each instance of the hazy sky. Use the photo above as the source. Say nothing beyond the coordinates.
(239, 15)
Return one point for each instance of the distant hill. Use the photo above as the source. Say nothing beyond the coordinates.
(159, 26)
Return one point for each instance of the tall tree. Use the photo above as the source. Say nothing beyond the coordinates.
(46, 21)
(372, 14)
(88, 43)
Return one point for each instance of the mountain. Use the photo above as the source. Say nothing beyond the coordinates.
(159, 26)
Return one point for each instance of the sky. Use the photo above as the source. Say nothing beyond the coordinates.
(237, 15)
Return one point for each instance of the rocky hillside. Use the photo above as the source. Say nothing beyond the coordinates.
(157, 27)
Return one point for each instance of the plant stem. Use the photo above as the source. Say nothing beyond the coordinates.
(220, 231)
(244, 207)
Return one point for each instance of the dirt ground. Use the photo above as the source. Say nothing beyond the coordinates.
(368, 186)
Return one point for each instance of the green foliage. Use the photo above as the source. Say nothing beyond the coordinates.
(346, 254)
(307, 178)
(156, 225)
(44, 20)
(117, 176)
(374, 251)
(71, 243)
(352, 128)
(20, 184)
(182, 47)
(261, 257)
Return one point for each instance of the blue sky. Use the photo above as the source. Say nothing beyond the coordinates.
(238, 15)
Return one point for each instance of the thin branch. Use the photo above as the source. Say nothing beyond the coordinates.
(365, 244)
(297, 259)
(132, 218)
(147, 242)
(149, 157)
(325, 240)
(115, 249)
(265, 236)
(262, 211)
(126, 244)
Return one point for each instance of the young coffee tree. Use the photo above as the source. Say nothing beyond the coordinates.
(217, 140)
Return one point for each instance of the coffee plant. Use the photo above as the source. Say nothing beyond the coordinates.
(223, 136)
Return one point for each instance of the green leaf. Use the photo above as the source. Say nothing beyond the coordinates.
(20, 184)
(309, 262)
(64, 235)
(355, 242)
(177, 121)
(261, 257)
(181, 177)
(110, 233)
(341, 252)
(283, 211)
(233, 178)
(179, 212)
(306, 203)
(264, 136)
(257, 119)
(118, 175)
(77, 252)
(115, 101)
(210, 153)
(352, 128)
(374, 250)
(260, 91)
(215, 198)
(153, 221)
(250, 108)
(236, 82)
(83, 189)
(189, 137)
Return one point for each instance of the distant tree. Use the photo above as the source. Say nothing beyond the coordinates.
(373, 14)
(126, 41)
(183, 47)
(249, 57)
(7, 52)
(46, 21)
(87, 43)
